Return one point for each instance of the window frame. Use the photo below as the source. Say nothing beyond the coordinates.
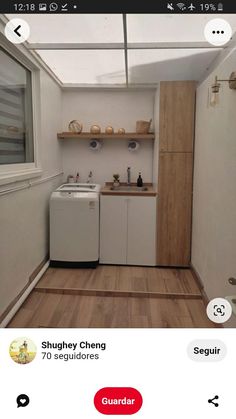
(10, 173)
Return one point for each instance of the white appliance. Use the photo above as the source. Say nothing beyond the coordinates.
(74, 225)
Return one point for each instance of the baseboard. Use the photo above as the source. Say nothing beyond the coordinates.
(74, 265)
(173, 266)
(38, 269)
(30, 280)
(200, 283)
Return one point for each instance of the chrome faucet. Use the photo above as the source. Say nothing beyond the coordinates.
(128, 176)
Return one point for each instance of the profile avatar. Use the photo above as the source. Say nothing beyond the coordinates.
(22, 350)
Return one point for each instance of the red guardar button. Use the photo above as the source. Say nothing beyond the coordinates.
(118, 401)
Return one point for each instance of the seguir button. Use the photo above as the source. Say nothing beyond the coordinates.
(207, 350)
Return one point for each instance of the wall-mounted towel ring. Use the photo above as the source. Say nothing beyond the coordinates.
(95, 144)
(133, 145)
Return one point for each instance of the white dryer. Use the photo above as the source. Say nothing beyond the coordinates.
(74, 225)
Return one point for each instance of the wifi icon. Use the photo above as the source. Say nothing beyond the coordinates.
(181, 6)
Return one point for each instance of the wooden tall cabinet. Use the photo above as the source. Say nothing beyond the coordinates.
(177, 114)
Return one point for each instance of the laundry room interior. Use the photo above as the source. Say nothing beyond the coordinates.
(117, 172)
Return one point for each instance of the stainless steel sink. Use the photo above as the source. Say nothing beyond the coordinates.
(129, 188)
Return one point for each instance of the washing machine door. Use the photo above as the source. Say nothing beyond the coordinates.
(74, 227)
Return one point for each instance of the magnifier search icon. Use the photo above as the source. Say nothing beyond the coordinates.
(219, 310)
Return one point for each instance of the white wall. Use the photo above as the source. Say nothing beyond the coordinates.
(119, 109)
(51, 111)
(214, 203)
(24, 214)
(24, 237)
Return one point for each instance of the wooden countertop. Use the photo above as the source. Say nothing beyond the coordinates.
(106, 190)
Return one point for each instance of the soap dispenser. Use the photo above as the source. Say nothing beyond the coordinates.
(139, 180)
(90, 177)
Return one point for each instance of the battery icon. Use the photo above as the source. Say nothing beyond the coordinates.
(220, 7)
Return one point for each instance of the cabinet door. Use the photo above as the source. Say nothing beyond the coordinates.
(113, 229)
(174, 209)
(141, 241)
(177, 105)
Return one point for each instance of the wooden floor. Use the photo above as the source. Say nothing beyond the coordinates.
(114, 296)
(117, 279)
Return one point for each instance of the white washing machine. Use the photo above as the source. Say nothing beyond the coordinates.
(74, 225)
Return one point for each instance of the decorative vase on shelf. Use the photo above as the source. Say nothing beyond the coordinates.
(75, 126)
(121, 131)
(142, 127)
(95, 129)
(109, 130)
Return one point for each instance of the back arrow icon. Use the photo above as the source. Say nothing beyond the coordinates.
(16, 30)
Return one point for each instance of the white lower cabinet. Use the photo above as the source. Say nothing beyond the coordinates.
(128, 230)
(141, 238)
(113, 229)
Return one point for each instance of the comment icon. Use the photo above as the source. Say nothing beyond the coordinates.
(22, 400)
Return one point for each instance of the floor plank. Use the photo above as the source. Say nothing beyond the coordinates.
(61, 308)
(90, 311)
(122, 278)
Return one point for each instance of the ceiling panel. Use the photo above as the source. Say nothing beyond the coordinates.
(86, 67)
(170, 28)
(102, 67)
(76, 28)
(152, 66)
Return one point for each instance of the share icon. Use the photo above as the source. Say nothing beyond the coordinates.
(213, 402)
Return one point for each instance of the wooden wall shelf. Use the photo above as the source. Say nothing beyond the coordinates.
(88, 135)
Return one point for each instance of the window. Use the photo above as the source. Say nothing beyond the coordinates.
(16, 116)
